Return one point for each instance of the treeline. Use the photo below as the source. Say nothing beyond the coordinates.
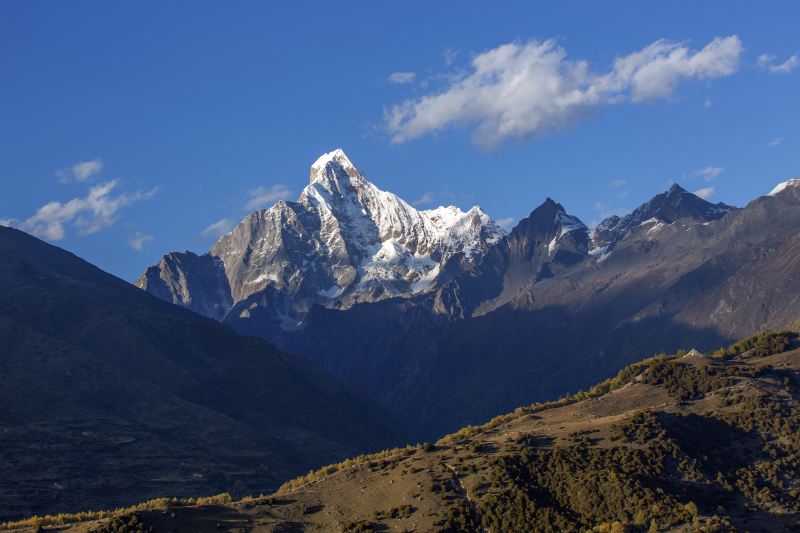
(37, 522)
(760, 345)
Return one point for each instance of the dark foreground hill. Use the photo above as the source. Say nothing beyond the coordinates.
(109, 395)
(673, 443)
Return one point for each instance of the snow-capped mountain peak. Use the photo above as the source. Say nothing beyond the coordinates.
(792, 182)
(335, 158)
(344, 241)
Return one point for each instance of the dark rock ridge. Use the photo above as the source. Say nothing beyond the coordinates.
(667, 207)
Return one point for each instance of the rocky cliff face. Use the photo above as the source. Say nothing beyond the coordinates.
(664, 208)
(343, 242)
(195, 281)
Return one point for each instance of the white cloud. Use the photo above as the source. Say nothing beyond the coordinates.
(97, 210)
(261, 196)
(426, 198)
(707, 103)
(218, 228)
(80, 171)
(618, 184)
(402, 77)
(777, 141)
(139, 240)
(520, 90)
(709, 173)
(506, 223)
(7, 222)
(705, 193)
(767, 62)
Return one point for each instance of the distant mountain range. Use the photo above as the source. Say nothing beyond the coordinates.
(346, 242)
(448, 320)
(109, 396)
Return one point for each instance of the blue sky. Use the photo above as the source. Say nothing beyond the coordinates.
(129, 129)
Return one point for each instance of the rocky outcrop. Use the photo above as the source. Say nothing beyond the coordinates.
(197, 282)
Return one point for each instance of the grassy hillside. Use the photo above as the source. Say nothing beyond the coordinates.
(673, 443)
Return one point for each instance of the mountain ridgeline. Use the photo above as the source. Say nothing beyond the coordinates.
(422, 308)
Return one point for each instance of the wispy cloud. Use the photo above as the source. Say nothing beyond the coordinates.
(767, 62)
(218, 228)
(89, 214)
(521, 90)
(80, 171)
(506, 223)
(450, 55)
(426, 198)
(620, 187)
(777, 141)
(705, 193)
(402, 77)
(138, 241)
(262, 197)
(604, 211)
(708, 173)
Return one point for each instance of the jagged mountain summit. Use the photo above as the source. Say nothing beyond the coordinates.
(664, 208)
(551, 244)
(344, 241)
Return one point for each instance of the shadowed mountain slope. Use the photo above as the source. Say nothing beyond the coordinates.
(672, 444)
(110, 395)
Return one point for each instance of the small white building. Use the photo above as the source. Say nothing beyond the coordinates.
(693, 353)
